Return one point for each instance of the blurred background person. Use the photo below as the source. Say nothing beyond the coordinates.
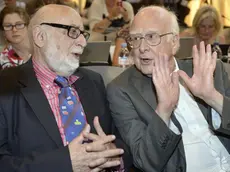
(14, 21)
(206, 26)
(105, 13)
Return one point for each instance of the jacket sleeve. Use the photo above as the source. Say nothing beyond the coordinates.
(222, 78)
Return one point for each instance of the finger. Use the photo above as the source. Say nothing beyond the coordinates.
(98, 127)
(110, 164)
(96, 148)
(156, 60)
(166, 62)
(100, 145)
(81, 138)
(110, 153)
(214, 57)
(185, 77)
(202, 54)
(91, 136)
(161, 66)
(154, 74)
(195, 56)
(208, 60)
(97, 162)
(175, 79)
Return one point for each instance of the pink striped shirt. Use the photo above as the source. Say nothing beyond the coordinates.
(46, 79)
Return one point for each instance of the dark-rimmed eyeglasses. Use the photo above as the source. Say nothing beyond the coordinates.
(18, 26)
(73, 32)
(152, 39)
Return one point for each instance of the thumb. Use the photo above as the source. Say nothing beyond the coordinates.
(185, 77)
(81, 138)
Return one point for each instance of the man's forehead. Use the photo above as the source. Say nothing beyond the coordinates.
(59, 14)
(143, 30)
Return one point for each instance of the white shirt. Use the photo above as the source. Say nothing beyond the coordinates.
(203, 150)
(98, 8)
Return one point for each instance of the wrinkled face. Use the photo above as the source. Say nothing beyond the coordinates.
(206, 29)
(151, 44)
(18, 32)
(61, 52)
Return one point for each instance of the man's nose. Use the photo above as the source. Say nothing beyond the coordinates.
(81, 41)
(143, 45)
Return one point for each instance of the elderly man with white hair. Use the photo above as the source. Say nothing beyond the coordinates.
(171, 124)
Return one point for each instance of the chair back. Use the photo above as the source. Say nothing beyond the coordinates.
(108, 73)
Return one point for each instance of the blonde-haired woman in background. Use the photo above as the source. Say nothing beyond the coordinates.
(206, 26)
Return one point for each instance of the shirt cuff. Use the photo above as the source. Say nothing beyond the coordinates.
(216, 119)
(173, 127)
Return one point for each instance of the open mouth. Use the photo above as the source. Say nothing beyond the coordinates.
(146, 61)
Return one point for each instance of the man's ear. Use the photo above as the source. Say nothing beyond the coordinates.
(39, 36)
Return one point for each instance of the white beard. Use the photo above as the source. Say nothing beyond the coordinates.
(63, 65)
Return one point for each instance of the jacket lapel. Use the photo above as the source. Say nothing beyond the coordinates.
(143, 84)
(38, 102)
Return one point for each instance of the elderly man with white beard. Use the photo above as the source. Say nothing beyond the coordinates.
(49, 104)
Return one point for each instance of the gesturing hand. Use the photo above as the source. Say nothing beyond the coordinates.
(167, 87)
(111, 161)
(204, 63)
(90, 161)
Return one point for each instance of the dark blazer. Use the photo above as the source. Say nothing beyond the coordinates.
(29, 137)
(154, 147)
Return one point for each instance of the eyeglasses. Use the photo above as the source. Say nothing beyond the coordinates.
(18, 26)
(152, 39)
(73, 32)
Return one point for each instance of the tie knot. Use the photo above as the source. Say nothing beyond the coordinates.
(61, 81)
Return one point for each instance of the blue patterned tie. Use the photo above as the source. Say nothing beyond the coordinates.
(72, 113)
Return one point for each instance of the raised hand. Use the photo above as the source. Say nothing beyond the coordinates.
(167, 87)
(201, 84)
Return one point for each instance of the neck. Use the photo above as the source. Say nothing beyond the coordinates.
(23, 49)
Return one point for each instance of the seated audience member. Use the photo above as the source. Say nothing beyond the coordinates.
(105, 13)
(206, 26)
(46, 108)
(167, 122)
(14, 22)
